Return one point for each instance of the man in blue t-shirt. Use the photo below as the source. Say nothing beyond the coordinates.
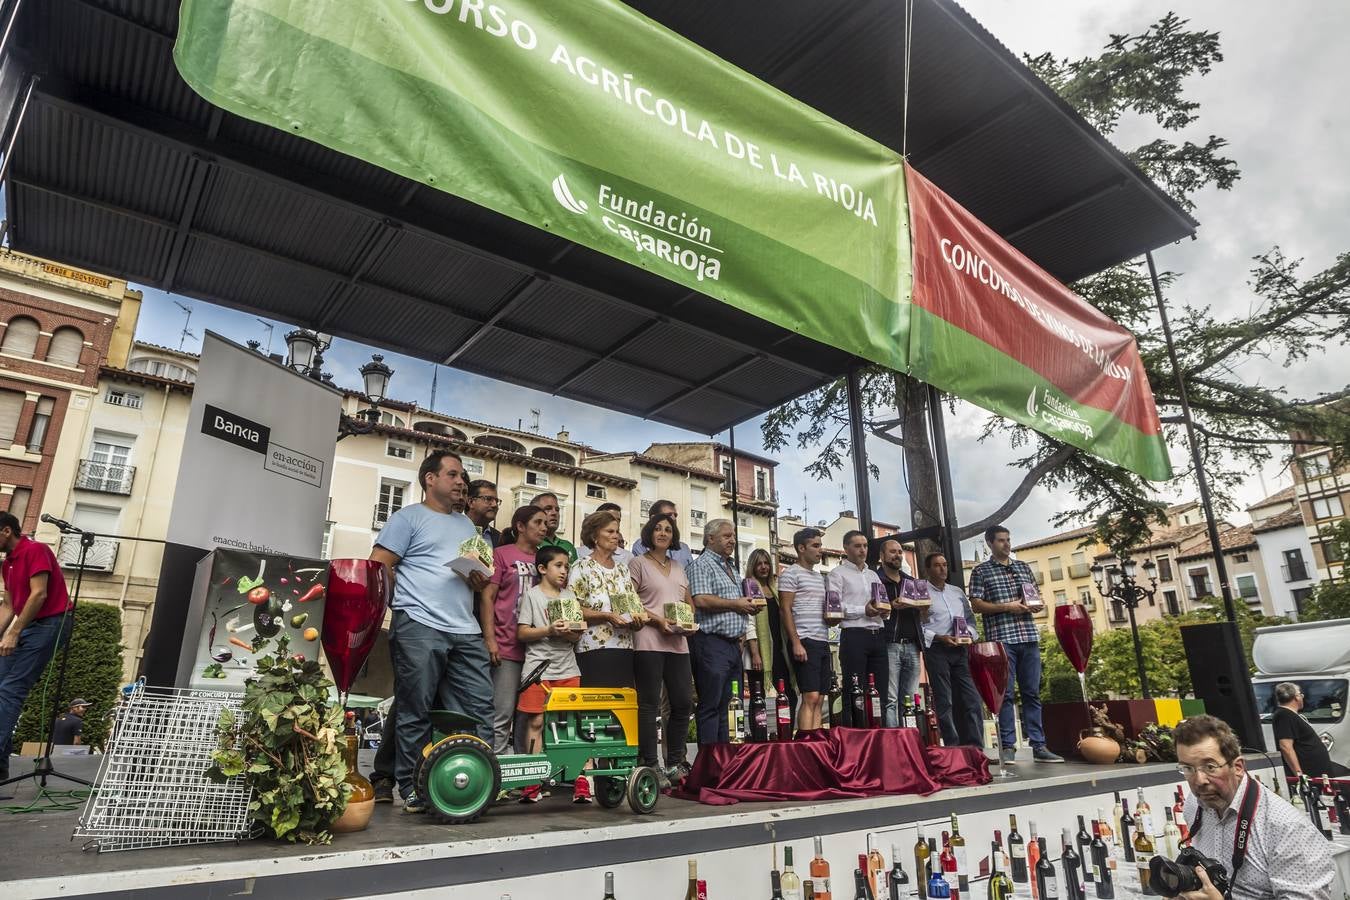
(437, 643)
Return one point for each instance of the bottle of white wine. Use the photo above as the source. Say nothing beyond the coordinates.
(692, 892)
(1000, 885)
(609, 886)
(791, 881)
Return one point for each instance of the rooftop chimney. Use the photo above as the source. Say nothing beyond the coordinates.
(565, 435)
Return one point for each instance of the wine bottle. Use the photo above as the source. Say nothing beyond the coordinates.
(1033, 855)
(948, 865)
(1017, 851)
(930, 718)
(702, 889)
(874, 714)
(897, 880)
(759, 716)
(1084, 841)
(1171, 837)
(692, 892)
(1143, 855)
(1047, 885)
(860, 891)
(907, 719)
(958, 845)
(1333, 814)
(1126, 824)
(1000, 885)
(808, 890)
(735, 716)
(938, 888)
(1071, 863)
(876, 872)
(1143, 813)
(1108, 836)
(921, 870)
(775, 885)
(865, 868)
(832, 700)
(820, 873)
(609, 886)
(792, 884)
(1179, 814)
(1342, 803)
(783, 713)
(858, 701)
(920, 719)
(1101, 870)
(1002, 853)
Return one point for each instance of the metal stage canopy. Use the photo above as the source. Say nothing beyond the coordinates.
(121, 168)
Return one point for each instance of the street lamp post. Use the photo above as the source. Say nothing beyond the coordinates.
(306, 350)
(1119, 583)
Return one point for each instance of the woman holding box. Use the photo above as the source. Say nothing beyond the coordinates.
(662, 654)
(609, 604)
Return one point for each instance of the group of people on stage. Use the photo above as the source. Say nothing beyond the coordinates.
(467, 643)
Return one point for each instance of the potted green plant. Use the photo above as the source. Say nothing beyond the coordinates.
(288, 744)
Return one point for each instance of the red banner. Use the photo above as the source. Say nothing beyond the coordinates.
(992, 327)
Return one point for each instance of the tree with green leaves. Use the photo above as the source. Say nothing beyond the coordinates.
(94, 672)
(1239, 425)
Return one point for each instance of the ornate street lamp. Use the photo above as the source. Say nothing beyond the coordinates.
(1118, 583)
(305, 355)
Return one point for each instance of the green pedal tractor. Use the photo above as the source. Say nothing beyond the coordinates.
(460, 776)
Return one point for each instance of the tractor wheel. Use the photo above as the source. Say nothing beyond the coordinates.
(458, 779)
(644, 789)
(609, 791)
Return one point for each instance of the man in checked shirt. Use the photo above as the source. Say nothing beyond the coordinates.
(996, 592)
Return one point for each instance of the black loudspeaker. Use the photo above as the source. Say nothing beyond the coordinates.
(1219, 677)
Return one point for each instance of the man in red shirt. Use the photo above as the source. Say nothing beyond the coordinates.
(33, 622)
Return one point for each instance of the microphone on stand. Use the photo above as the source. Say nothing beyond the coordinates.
(61, 524)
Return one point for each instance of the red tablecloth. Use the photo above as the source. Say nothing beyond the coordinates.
(831, 765)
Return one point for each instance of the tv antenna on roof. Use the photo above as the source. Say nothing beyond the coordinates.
(268, 326)
(534, 420)
(182, 339)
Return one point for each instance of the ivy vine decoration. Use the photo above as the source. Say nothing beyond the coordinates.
(288, 745)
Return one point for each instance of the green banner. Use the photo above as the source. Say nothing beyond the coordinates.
(589, 120)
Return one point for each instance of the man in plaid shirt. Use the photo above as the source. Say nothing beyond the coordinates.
(996, 591)
(721, 611)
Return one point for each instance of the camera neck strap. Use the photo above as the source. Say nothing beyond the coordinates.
(1243, 835)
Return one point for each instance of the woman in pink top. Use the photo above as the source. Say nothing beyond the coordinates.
(662, 656)
(513, 573)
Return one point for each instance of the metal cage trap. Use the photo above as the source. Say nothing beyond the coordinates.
(152, 790)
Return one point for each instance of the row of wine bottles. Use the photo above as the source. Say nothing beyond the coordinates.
(748, 712)
(1117, 845)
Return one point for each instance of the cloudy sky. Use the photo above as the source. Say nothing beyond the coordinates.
(1277, 97)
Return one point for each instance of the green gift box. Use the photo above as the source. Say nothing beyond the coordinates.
(629, 605)
(681, 615)
(567, 609)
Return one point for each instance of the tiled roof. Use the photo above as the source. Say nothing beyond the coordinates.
(658, 463)
(1284, 496)
(1055, 538)
(1230, 541)
(1290, 518)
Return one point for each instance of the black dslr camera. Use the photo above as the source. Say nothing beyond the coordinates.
(1172, 877)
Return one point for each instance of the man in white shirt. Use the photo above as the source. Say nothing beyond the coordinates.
(1286, 858)
(862, 642)
(955, 700)
(801, 601)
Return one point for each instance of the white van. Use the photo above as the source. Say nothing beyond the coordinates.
(1316, 657)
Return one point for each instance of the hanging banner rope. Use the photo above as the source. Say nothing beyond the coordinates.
(589, 120)
(992, 327)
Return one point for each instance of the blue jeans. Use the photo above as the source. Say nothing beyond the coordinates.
(1024, 673)
(435, 670)
(20, 671)
(904, 669)
(716, 663)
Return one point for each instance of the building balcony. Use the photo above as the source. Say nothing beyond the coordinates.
(1193, 594)
(108, 478)
(1295, 572)
(1040, 577)
(102, 556)
(1078, 570)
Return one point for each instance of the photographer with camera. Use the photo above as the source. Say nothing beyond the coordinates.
(1246, 842)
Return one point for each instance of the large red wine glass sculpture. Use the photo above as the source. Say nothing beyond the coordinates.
(1073, 627)
(358, 594)
(989, 669)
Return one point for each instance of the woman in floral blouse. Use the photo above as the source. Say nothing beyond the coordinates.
(604, 588)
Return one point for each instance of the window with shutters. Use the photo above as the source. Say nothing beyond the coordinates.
(20, 337)
(391, 500)
(64, 350)
(42, 419)
(11, 406)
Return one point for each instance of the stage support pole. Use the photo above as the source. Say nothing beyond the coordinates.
(735, 505)
(951, 545)
(858, 443)
(1220, 567)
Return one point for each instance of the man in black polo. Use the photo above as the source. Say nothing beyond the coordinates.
(1302, 750)
(904, 633)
